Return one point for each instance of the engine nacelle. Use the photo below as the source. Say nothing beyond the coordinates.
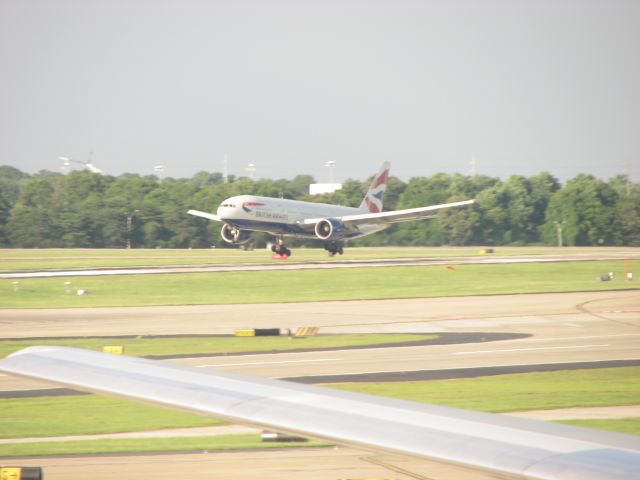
(330, 229)
(234, 235)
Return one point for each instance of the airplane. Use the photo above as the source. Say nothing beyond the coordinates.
(331, 223)
(87, 164)
(508, 447)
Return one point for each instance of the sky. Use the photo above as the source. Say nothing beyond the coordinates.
(516, 87)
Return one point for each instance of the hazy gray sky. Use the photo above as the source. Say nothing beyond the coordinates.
(524, 86)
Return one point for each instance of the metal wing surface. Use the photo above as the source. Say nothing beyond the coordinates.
(509, 446)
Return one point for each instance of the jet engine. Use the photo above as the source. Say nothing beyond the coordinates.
(234, 235)
(330, 229)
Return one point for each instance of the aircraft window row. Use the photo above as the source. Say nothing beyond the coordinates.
(230, 205)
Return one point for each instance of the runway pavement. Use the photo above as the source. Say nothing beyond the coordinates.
(508, 312)
(330, 264)
(572, 327)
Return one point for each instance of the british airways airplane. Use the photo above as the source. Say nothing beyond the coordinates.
(332, 223)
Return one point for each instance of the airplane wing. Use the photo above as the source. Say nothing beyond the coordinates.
(209, 216)
(509, 446)
(397, 216)
(394, 216)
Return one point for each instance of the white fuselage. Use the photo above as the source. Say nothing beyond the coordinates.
(281, 216)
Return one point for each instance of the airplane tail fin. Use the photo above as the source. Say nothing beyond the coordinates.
(372, 201)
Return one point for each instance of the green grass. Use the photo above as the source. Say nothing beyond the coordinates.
(620, 425)
(314, 285)
(519, 392)
(222, 442)
(42, 259)
(140, 346)
(84, 414)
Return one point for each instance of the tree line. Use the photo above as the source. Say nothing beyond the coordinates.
(87, 210)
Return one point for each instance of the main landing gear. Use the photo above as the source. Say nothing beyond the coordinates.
(279, 249)
(334, 247)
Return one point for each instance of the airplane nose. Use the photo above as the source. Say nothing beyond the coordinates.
(224, 210)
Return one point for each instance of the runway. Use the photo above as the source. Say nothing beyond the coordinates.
(561, 328)
(330, 264)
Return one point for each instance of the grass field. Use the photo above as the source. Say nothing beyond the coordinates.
(43, 259)
(621, 425)
(140, 346)
(314, 285)
(50, 416)
(503, 393)
(519, 392)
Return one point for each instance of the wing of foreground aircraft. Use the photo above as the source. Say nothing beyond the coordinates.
(513, 448)
(333, 224)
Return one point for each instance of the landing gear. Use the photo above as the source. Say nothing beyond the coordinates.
(334, 247)
(279, 249)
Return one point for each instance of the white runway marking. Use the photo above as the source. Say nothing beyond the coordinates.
(568, 347)
(269, 363)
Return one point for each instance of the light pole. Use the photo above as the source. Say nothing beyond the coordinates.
(159, 170)
(130, 226)
(559, 231)
(66, 165)
(331, 165)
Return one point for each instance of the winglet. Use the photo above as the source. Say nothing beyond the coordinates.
(372, 201)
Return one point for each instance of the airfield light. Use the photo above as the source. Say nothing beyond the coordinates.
(331, 165)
